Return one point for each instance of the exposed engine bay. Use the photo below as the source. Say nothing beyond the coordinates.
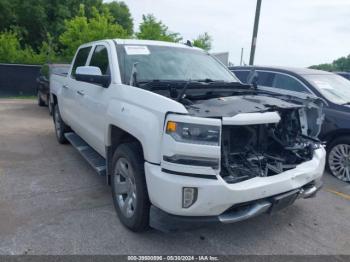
(265, 149)
(260, 150)
(256, 149)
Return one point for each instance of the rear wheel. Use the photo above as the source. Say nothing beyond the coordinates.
(41, 102)
(60, 127)
(50, 106)
(338, 158)
(129, 189)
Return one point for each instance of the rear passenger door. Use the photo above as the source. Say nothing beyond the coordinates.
(70, 102)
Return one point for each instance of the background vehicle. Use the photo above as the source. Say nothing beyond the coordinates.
(344, 74)
(180, 139)
(43, 81)
(333, 89)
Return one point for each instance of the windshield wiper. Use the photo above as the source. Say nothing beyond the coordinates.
(183, 91)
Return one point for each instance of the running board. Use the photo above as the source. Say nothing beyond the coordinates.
(97, 162)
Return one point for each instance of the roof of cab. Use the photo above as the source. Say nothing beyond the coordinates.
(142, 42)
(295, 70)
(152, 42)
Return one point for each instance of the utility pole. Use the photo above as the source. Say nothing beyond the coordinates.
(255, 32)
(241, 56)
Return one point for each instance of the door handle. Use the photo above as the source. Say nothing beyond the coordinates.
(65, 86)
(80, 93)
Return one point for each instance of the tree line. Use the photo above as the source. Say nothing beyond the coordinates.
(340, 64)
(39, 31)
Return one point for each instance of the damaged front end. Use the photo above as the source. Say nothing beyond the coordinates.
(264, 136)
(264, 149)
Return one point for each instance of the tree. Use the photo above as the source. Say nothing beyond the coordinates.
(203, 41)
(151, 29)
(12, 52)
(81, 30)
(121, 15)
(33, 19)
(340, 64)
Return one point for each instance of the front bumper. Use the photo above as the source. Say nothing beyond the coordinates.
(215, 196)
(169, 223)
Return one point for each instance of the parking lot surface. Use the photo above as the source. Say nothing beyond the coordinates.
(51, 202)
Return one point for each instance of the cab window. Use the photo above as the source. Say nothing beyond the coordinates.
(80, 59)
(100, 59)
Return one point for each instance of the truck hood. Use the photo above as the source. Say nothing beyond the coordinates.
(233, 105)
(309, 108)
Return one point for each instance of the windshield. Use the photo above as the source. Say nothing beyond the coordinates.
(170, 63)
(335, 88)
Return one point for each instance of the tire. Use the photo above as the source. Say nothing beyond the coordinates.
(50, 108)
(60, 127)
(40, 101)
(129, 190)
(338, 158)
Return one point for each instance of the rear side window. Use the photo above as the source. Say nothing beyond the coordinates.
(81, 58)
(100, 59)
(242, 75)
(286, 82)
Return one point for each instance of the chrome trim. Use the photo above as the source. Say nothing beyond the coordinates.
(235, 216)
(192, 161)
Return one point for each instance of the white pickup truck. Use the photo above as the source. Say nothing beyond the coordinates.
(181, 141)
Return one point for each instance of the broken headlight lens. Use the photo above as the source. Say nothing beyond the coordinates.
(194, 133)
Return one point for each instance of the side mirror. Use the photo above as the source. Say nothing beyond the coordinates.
(92, 74)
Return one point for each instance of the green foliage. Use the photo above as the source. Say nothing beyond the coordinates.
(34, 19)
(152, 29)
(39, 31)
(12, 52)
(203, 41)
(80, 30)
(121, 15)
(340, 64)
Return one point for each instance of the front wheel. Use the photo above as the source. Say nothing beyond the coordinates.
(129, 189)
(338, 158)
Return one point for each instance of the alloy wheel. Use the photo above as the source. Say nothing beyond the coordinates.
(125, 187)
(339, 161)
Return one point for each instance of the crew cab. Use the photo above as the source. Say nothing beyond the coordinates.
(180, 139)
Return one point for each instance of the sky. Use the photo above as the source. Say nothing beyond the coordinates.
(291, 33)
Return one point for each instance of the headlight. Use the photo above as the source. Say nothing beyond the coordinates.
(194, 133)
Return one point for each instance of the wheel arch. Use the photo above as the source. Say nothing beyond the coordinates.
(330, 137)
(115, 137)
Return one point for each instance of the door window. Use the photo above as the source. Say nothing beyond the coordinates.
(100, 59)
(80, 59)
(265, 78)
(286, 82)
